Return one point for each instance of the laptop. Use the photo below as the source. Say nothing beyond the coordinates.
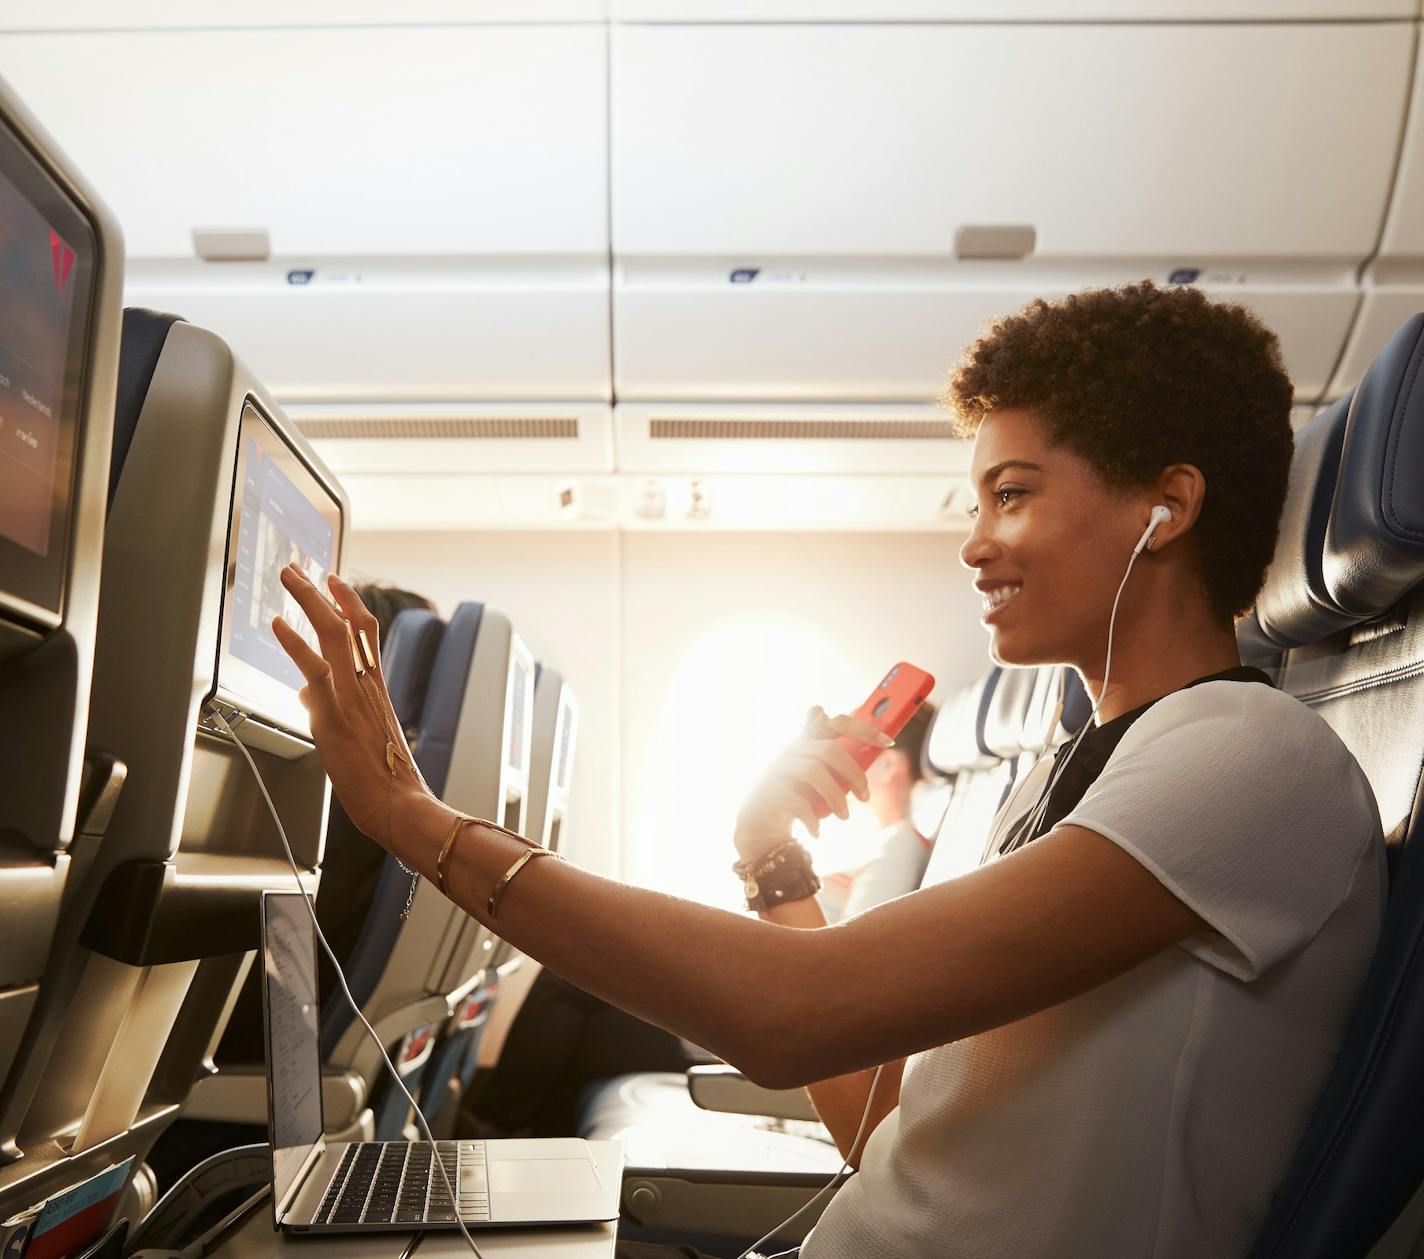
(321, 1186)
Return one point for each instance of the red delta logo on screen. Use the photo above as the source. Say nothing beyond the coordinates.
(62, 256)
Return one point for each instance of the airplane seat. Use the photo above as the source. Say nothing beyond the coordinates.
(363, 891)
(956, 746)
(1013, 725)
(1344, 603)
(144, 334)
(474, 751)
(160, 923)
(553, 741)
(61, 281)
(363, 918)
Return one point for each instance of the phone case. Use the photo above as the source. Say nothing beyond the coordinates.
(888, 707)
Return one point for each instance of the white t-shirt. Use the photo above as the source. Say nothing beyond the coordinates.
(897, 871)
(1156, 1114)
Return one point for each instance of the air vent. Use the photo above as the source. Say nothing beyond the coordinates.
(483, 427)
(693, 428)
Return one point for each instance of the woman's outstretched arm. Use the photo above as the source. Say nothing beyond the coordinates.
(785, 1006)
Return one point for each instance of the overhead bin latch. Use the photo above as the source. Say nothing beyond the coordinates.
(995, 240)
(232, 244)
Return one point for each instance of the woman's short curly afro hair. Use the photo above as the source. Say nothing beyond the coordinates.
(1136, 378)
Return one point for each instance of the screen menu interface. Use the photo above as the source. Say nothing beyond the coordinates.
(38, 282)
(294, 1064)
(283, 517)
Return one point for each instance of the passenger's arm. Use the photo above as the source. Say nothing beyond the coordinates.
(786, 1006)
(841, 1100)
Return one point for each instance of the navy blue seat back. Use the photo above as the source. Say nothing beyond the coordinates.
(445, 695)
(144, 333)
(1345, 605)
(407, 659)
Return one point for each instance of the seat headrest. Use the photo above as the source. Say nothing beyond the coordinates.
(954, 742)
(1077, 703)
(143, 335)
(445, 694)
(1374, 545)
(1007, 714)
(1039, 727)
(407, 657)
(1294, 606)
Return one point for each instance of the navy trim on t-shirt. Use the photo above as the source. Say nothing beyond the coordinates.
(1094, 749)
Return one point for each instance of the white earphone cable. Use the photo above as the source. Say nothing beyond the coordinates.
(1035, 815)
(751, 1251)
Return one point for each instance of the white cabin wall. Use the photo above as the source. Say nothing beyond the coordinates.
(560, 591)
(694, 658)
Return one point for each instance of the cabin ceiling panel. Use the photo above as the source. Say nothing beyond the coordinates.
(1002, 10)
(388, 142)
(1383, 311)
(1109, 141)
(1404, 229)
(45, 15)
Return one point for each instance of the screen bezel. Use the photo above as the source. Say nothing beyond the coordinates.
(235, 681)
(32, 585)
(287, 1172)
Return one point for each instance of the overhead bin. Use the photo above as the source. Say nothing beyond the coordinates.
(832, 211)
(1394, 281)
(1002, 10)
(410, 212)
(141, 14)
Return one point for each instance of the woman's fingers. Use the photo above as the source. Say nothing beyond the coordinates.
(315, 668)
(861, 731)
(814, 776)
(325, 617)
(836, 756)
(365, 625)
(818, 725)
(795, 806)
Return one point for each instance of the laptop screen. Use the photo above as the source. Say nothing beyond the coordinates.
(290, 1009)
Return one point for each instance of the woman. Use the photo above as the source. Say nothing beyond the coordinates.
(1108, 1038)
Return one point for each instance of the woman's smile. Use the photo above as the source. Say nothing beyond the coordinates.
(996, 595)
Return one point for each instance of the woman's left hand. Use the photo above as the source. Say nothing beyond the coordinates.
(353, 723)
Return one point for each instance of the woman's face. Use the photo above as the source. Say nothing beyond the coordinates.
(1049, 545)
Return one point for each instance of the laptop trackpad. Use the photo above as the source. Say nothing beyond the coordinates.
(550, 1189)
(557, 1175)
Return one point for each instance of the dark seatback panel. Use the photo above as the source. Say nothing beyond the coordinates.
(144, 333)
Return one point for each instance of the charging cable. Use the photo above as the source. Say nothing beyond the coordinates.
(214, 715)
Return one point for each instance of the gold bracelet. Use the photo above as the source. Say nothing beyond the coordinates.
(460, 820)
(520, 862)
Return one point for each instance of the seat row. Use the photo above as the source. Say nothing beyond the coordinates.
(158, 494)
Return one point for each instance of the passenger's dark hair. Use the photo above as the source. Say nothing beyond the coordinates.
(911, 739)
(386, 602)
(1136, 378)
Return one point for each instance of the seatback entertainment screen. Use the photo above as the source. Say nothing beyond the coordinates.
(281, 514)
(47, 257)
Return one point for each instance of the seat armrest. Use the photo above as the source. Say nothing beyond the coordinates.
(723, 1088)
(748, 1204)
(238, 1094)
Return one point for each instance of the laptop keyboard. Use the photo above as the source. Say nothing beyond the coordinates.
(398, 1182)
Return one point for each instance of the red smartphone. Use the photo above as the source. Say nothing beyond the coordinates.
(888, 707)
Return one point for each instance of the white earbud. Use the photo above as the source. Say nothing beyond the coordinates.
(1160, 515)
